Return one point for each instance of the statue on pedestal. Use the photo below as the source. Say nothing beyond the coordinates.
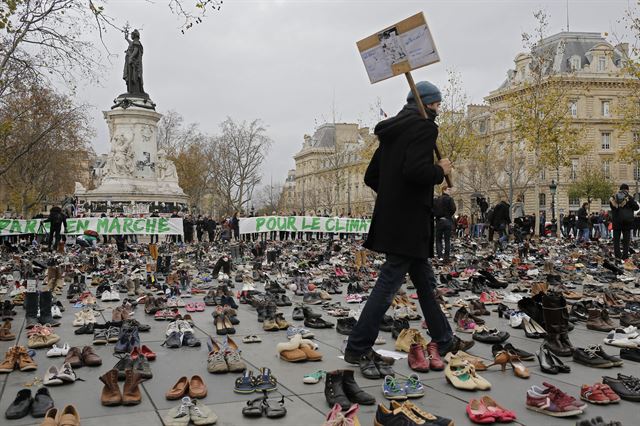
(132, 74)
(120, 160)
(165, 168)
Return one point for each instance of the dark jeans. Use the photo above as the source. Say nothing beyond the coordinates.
(154, 238)
(389, 281)
(54, 231)
(443, 234)
(626, 238)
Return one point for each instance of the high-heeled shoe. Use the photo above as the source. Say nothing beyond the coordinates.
(529, 329)
(549, 363)
(503, 358)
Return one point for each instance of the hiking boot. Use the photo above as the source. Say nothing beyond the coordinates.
(110, 392)
(24, 360)
(596, 322)
(131, 391)
(10, 360)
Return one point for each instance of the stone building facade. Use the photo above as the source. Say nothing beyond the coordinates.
(592, 70)
(328, 177)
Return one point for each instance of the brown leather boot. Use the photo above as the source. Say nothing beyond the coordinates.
(110, 392)
(10, 360)
(131, 391)
(596, 322)
(24, 361)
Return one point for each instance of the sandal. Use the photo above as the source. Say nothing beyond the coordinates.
(265, 381)
(253, 408)
(245, 383)
(274, 412)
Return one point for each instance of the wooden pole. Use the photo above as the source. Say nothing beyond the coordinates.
(423, 112)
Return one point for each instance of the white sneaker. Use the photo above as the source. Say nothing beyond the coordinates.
(55, 312)
(512, 298)
(115, 296)
(183, 326)
(619, 338)
(89, 317)
(106, 296)
(58, 351)
(515, 319)
(632, 332)
(79, 319)
(51, 377)
(173, 326)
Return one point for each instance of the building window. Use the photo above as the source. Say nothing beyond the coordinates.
(602, 63)
(542, 174)
(605, 108)
(575, 63)
(542, 200)
(606, 140)
(606, 168)
(573, 108)
(574, 169)
(483, 126)
(574, 201)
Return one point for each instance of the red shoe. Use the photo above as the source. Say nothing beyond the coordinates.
(484, 298)
(190, 307)
(593, 395)
(478, 413)
(135, 353)
(435, 362)
(417, 360)
(500, 413)
(614, 398)
(148, 353)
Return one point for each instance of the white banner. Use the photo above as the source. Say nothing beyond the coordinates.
(343, 225)
(101, 225)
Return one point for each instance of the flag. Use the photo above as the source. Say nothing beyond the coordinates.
(383, 114)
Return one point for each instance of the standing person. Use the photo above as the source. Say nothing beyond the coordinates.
(582, 224)
(56, 220)
(235, 226)
(402, 173)
(622, 207)
(443, 210)
(187, 223)
(542, 226)
(200, 227)
(176, 238)
(211, 228)
(154, 237)
(500, 220)
(636, 225)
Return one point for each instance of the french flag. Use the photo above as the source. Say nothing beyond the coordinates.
(383, 114)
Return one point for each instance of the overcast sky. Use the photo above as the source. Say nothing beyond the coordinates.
(289, 62)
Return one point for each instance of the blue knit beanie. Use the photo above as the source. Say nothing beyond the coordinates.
(429, 93)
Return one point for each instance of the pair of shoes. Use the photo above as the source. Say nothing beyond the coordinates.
(127, 340)
(505, 357)
(144, 351)
(55, 376)
(341, 388)
(622, 338)
(190, 410)
(549, 362)
(523, 355)
(194, 387)
(338, 417)
(298, 349)
(41, 336)
(77, 358)
(293, 330)
(553, 402)
(372, 365)
(179, 333)
(5, 331)
(462, 375)
(422, 359)
(68, 416)
(58, 351)
(130, 394)
(224, 357)
(223, 323)
(24, 404)
(410, 388)
(599, 320)
(631, 354)
(485, 335)
(599, 394)
(597, 421)
(85, 316)
(595, 356)
(407, 414)
(486, 410)
(318, 322)
(476, 362)
(260, 407)
(17, 356)
(264, 381)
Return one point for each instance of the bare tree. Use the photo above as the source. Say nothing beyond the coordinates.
(269, 197)
(240, 151)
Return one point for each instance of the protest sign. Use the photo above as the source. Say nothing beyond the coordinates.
(398, 49)
(102, 225)
(344, 225)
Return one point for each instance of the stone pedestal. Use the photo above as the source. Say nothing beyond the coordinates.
(135, 169)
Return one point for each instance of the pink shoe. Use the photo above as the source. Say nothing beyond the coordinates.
(200, 306)
(190, 307)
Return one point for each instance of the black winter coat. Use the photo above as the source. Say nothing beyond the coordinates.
(402, 173)
(622, 207)
(500, 214)
(444, 206)
(583, 219)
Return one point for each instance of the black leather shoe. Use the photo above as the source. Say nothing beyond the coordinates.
(631, 354)
(353, 391)
(333, 390)
(523, 355)
(297, 314)
(85, 329)
(617, 362)
(345, 325)
(20, 406)
(588, 357)
(365, 362)
(41, 403)
(456, 345)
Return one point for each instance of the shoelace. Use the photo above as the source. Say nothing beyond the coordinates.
(196, 409)
(591, 352)
(561, 398)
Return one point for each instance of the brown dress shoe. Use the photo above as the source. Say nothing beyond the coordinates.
(74, 357)
(90, 358)
(25, 362)
(110, 392)
(179, 389)
(131, 391)
(597, 322)
(69, 416)
(10, 360)
(197, 387)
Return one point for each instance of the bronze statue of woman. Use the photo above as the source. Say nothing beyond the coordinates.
(133, 65)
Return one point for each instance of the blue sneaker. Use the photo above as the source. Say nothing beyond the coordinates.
(413, 387)
(392, 390)
(305, 333)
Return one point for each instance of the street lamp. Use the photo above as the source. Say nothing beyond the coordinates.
(552, 190)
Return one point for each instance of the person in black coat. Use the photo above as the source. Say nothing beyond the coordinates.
(622, 208)
(211, 226)
(500, 219)
(402, 173)
(56, 220)
(200, 227)
(582, 224)
(443, 209)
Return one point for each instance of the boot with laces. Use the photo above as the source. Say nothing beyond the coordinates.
(111, 391)
(131, 394)
(10, 360)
